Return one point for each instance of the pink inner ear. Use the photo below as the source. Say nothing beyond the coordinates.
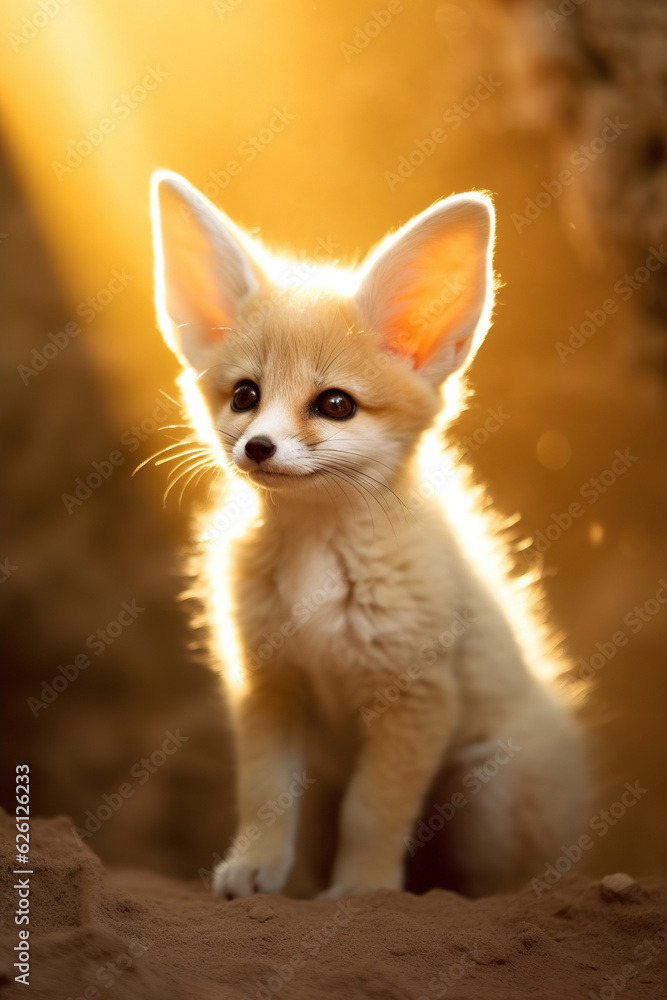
(206, 302)
(195, 299)
(445, 275)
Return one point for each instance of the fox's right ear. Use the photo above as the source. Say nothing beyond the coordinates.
(428, 288)
(203, 268)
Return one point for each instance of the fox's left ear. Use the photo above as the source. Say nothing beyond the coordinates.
(204, 268)
(428, 289)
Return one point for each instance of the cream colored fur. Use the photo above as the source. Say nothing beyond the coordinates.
(353, 569)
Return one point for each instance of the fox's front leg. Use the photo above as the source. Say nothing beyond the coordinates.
(265, 763)
(401, 754)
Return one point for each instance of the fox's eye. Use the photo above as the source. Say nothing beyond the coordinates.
(245, 396)
(335, 404)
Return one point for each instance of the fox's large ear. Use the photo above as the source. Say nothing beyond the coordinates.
(428, 289)
(203, 268)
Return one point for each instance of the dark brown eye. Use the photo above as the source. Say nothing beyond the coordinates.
(245, 396)
(335, 404)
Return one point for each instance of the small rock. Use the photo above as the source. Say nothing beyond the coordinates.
(261, 912)
(617, 887)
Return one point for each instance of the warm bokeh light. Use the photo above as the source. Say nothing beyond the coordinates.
(553, 450)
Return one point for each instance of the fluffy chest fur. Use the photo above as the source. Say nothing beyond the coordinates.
(348, 601)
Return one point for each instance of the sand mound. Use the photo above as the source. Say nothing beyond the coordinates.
(97, 933)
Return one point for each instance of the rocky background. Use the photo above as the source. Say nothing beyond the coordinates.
(573, 66)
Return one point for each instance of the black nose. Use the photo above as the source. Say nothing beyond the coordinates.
(259, 448)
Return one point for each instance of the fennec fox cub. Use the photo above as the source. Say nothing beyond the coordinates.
(374, 639)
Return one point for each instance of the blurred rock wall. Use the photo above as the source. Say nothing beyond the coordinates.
(584, 72)
(99, 660)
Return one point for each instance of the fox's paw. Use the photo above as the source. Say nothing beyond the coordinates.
(359, 886)
(245, 876)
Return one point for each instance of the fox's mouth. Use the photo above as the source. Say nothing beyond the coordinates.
(276, 474)
(268, 472)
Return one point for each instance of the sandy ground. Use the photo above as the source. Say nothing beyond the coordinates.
(97, 933)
